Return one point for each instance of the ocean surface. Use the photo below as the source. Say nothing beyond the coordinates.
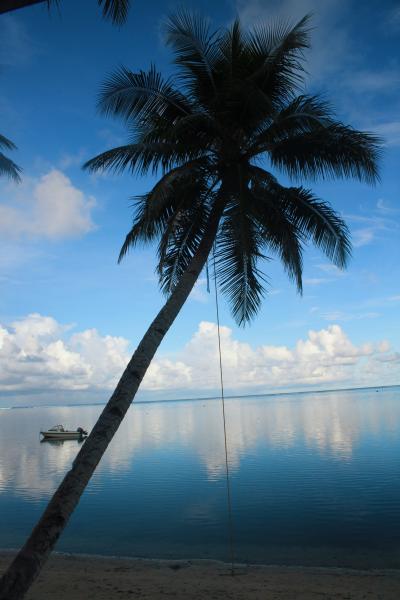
(315, 479)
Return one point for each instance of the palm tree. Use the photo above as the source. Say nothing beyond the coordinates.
(115, 10)
(7, 166)
(210, 134)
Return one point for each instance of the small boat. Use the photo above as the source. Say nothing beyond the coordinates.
(59, 433)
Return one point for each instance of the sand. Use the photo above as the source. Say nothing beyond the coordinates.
(77, 577)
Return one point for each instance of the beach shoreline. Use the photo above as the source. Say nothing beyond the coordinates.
(75, 576)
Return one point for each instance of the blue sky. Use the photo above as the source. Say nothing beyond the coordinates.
(61, 229)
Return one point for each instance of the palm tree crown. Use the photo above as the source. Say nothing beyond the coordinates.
(7, 166)
(212, 133)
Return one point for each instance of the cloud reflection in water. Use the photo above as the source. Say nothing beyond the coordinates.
(328, 423)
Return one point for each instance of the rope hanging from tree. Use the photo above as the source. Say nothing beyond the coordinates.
(228, 486)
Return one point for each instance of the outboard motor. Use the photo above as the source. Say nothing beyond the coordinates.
(82, 431)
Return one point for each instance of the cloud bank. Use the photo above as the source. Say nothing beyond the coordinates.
(49, 207)
(39, 355)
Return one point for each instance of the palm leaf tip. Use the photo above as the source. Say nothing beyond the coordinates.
(6, 143)
(128, 243)
(9, 169)
(195, 47)
(282, 35)
(371, 153)
(115, 10)
(7, 166)
(116, 159)
(238, 250)
(186, 31)
(333, 150)
(318, 222)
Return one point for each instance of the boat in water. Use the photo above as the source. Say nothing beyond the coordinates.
(58, 432)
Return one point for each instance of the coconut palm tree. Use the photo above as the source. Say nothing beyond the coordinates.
(212, 134)
(7, 166)
(115, 10)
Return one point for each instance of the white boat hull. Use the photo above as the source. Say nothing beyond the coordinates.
(62, 435)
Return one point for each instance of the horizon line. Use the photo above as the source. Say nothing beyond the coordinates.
(199, 398)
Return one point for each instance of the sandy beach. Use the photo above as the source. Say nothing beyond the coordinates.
(82, 577)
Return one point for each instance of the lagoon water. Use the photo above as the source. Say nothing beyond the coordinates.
(315, 479)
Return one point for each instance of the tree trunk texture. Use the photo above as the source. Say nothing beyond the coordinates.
(27, 564)
(8, 5)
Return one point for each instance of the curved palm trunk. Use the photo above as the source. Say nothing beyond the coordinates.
(28, 562)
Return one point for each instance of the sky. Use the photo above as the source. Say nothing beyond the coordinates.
(70, 316)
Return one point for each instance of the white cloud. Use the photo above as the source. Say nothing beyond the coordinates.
(394, 357)
(373, 224)
(316, 280)
(199, 292)
(330, 269)
(164, 373)
(50, 207)
(325, 357)
(374, 81)
(362, 237)
(338, 315)
(385, 208)
(390, 132)
(38, 354)
(76, 159)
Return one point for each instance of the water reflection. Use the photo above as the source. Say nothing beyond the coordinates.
(314, 477)
(79, 441)
(330, 424)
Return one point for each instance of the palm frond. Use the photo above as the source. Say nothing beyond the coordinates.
(115, 10)
(6, 143)
(140, 96)
(232, 45)
(335, 150)
(278, 52)
(238, 248)
(179, 242)
(284, 239)
(142, 157)
(153, 211)
(278, 232)
(269, 41)
(257, 73)
(313, 219)
(8, 168)
(302, 115)
(196, 49)
(321, 224)
(195, 135)
(116, 159)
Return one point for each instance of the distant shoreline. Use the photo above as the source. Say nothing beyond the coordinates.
(206, 398)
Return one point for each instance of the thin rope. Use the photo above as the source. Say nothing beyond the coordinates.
(208, 277)
(228, 486)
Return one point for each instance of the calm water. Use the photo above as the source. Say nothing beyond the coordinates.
(315, 479)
